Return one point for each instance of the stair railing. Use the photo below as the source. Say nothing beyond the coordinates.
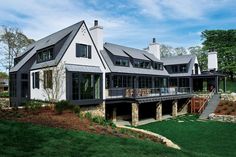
(209, 96)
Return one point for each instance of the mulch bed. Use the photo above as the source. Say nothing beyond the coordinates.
(68, 120)
(226, 107)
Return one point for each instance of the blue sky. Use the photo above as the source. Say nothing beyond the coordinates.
(128, 22)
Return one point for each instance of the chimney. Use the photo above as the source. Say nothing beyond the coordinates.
(154, 48)
(212, 60)
(97, 34)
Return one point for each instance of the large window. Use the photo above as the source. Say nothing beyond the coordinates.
(86, 86)
(24, 85)
(122, 62)
(47, 82)
(45, 55)
(83, 50)
(121, 81)
(141, 64)
(145, 82)
(35, 77)
(183, 68)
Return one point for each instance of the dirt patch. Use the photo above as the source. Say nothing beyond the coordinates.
(226, 107)
(69, 120)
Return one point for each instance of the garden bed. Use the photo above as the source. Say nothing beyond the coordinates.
(226, 107)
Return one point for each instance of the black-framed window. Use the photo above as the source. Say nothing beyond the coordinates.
(45, 55)
(145, 82)
(157, 66)
(86, 86)
(47, 81)
(35, 78)
(122, 62)
(83, 50)
(142, 64)
(183, 68)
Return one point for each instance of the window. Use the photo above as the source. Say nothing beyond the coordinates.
(174, 68)
(86, 86)
(35, 77)
(47, 79)
(45, 55)
(145, 82)
(141, 64)
(183, 68)
(24, 76)
(157, 66)
(122, 62)
(83, 50)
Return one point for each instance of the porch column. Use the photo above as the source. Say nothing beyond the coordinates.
(102, 108)
(114, 115)
(224, 84)
(191, 84)
(153, 83)
(174, 108)
(159, 111)
(135, 114)
(216, 84)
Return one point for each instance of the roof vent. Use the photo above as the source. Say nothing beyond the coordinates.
(95, 22)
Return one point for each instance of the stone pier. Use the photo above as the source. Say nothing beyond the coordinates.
(135, 114)
(114, 114)
(159, 111)
(174, 108)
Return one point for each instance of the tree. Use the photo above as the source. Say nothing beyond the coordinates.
(180, 51)
(224, 42)
(3, 75)
(54, 88)
(201, 55)
(166, 50)
(13, 42)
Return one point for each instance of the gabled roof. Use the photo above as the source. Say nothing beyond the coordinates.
(131, 69)
(49, 41)
(173, 60)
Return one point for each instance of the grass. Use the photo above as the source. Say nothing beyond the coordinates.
(28, 140)
(207, 138)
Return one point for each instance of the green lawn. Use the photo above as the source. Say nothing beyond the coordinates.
(209, 138)
(28, 140)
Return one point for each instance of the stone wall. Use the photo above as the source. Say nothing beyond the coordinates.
(4, 102)
(222, 118)
(230, 97)
(95, 110)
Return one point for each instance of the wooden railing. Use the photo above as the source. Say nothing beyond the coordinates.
(198, 104)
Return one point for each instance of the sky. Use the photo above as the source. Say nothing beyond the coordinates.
(132, 23)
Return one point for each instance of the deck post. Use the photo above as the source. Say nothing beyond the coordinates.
(114, 115)
(135, 114)
(174, 108)
(159, 111)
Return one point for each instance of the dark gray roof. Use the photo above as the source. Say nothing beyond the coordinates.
(124, 51)
(48, 41)
(83, 68)
(184, 59)
(131, 69)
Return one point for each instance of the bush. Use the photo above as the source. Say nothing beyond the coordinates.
(88, 115)
(76, 110)
(33, 105)
(62, 105)
(4, 94)
(102, 121)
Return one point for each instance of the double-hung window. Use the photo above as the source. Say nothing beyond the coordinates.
(83, 50)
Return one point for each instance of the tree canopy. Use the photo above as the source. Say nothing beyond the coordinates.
(13, 42)
(224, 42)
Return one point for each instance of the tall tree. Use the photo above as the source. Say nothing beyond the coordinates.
(13, 42)
(180, 51)
(224, 42)
(166, 50)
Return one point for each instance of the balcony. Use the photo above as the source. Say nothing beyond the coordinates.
(116, 93)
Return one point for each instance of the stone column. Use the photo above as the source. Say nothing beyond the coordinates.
(159, 111)
(174, 108)
(114, 115)
(135, 114)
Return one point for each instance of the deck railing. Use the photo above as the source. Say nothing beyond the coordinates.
(145, 92)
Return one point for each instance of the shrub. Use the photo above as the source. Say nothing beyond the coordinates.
(102, 121)
(76, 110)
(62, 105)
(88, 115)
(4, 94)
(33, 105)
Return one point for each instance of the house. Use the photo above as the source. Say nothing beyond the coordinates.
(3, 85)
(105, 79)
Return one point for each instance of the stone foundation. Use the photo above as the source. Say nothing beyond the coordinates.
(230, 97)
(159, 111)
(135, 117)
(95, 110)
(222, 118)
(174, 109)
(4, 102)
